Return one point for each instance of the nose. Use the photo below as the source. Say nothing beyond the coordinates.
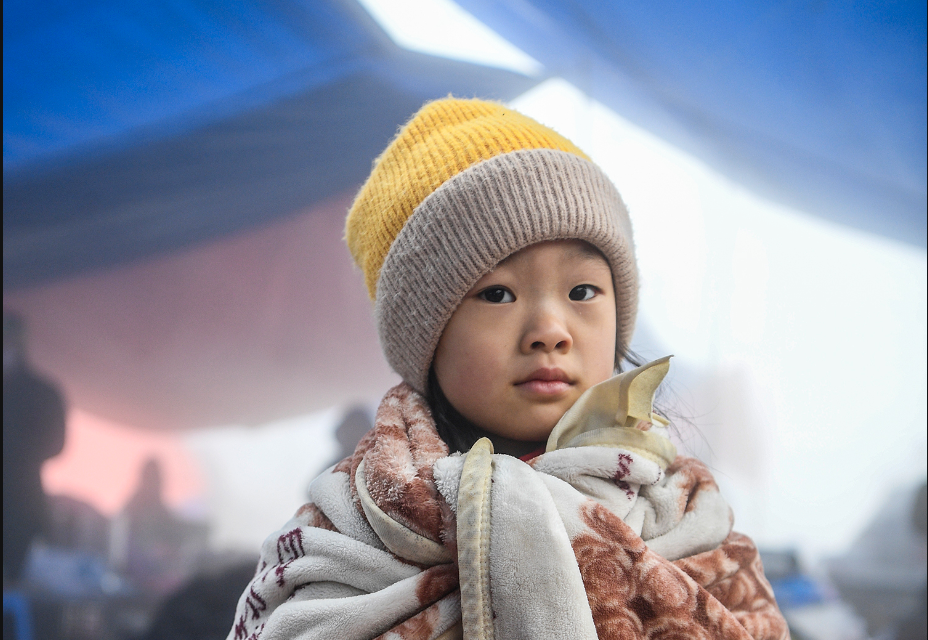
(546, 330)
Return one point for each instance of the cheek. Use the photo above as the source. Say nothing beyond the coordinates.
(469, 364)
(602, 359)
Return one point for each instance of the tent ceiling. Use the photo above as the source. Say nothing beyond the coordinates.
(249, 328)
(212, 127)
(135, 128)
(246, 169)
(819, 105)
(153, 150)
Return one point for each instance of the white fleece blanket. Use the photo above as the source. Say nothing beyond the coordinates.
(403, 541)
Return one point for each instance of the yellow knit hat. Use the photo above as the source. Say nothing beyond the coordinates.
(465, 184)
(443, 139)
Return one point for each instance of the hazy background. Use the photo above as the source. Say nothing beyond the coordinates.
(176, 177)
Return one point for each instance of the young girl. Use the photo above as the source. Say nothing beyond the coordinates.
(511, 486)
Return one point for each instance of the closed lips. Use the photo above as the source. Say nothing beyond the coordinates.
(546, 382)
(546, 375)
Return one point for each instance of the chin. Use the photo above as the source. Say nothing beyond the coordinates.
(532, 423)
(534, 433)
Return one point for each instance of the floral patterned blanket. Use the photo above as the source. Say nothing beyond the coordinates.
(403, 541)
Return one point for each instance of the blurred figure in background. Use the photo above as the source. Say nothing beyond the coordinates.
(883, 573)
(202, 607)
(915, 626)
(355, 423)
(148, 542)
(33, 431)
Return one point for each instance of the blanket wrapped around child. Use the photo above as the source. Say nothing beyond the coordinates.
(403, 541)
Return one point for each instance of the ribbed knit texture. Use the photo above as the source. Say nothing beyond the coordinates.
(464, 185)
(478, 218)
(443, 139)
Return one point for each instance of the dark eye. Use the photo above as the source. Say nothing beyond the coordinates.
(582, 292)
(497, 295)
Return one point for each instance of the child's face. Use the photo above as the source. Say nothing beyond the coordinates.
(529, 338)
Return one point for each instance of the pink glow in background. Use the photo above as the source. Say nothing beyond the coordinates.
(102, 460)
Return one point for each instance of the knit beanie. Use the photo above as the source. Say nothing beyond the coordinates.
(464, 185)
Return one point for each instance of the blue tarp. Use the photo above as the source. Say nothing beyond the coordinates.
(821, 105)
(136, 127)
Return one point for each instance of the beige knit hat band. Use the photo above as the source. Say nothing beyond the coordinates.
(478, 218)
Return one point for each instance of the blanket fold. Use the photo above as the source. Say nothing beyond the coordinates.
(402, 540)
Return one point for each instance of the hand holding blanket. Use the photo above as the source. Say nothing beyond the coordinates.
(403, 541)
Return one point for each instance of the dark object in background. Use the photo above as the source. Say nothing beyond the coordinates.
(76, 525)
(355, 423)
(33, 431)
(883, 574)
(915, 627)
(792, 586)
(353, 426)
(17, 619)
(920, 510)
(154, 548)
(204, 607)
